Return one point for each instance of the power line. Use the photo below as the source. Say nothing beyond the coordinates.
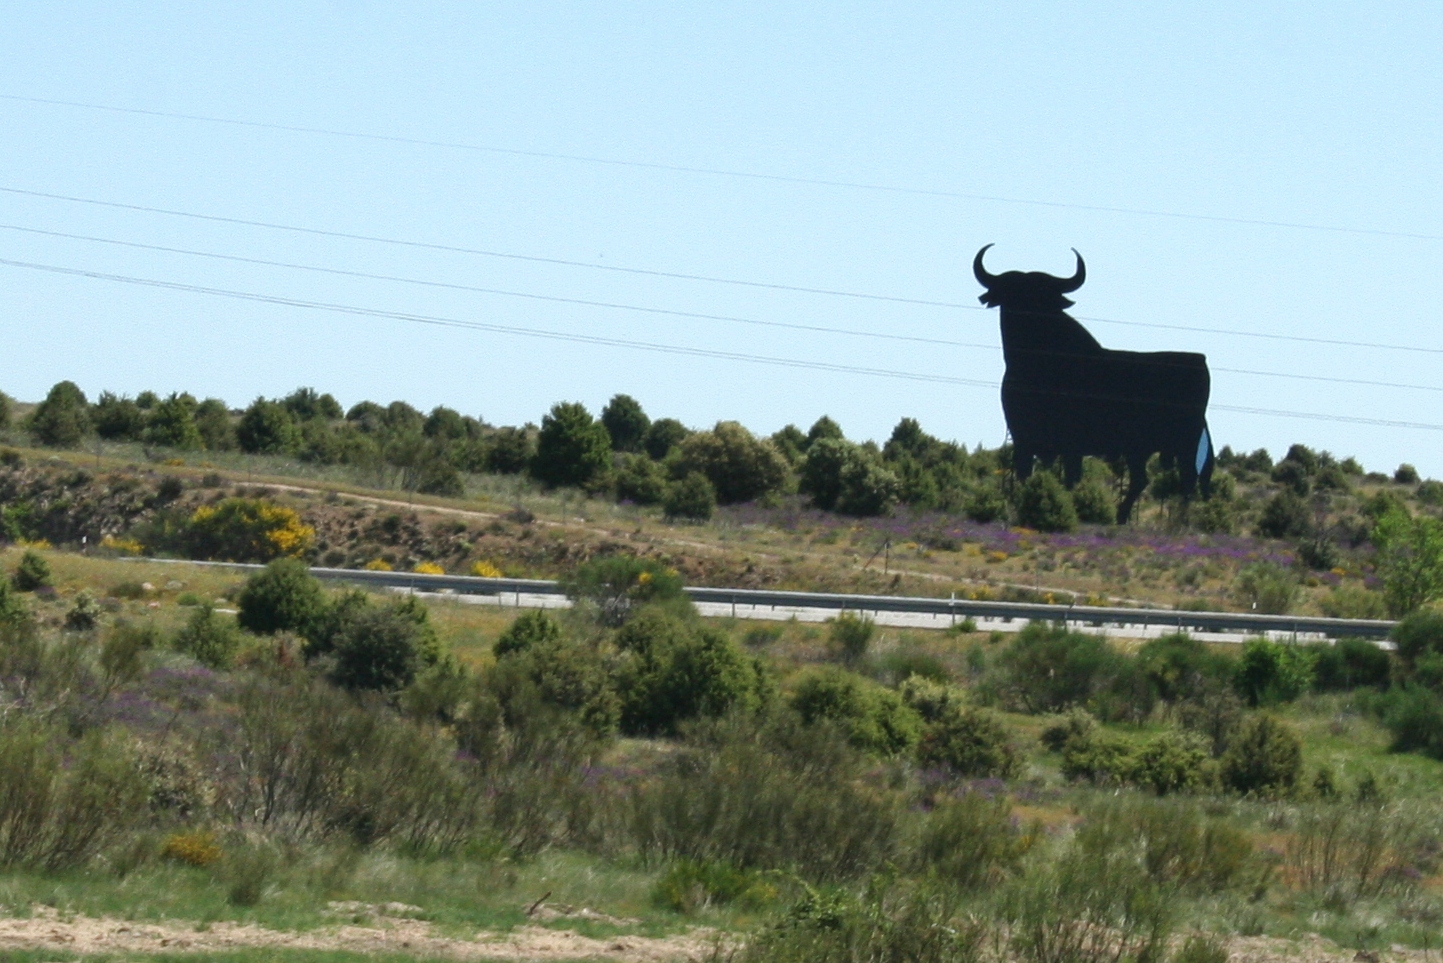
(724, 172)
(638, 345)
(498, 291)
(481, 252)
(675, 275)
(821, 329)
(495, 328)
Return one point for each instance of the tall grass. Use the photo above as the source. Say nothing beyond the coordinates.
(768, 795)
(307, 760)
(63, 801)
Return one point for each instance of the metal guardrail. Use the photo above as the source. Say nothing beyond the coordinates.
(955, 609)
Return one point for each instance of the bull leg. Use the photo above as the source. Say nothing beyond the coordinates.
(1136, 484)
(1022, 462)
(1072, 470)
(1195, 465)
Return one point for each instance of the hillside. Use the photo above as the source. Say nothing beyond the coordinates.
(259, 767)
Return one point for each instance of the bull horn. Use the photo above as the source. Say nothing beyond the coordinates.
(983, 278)
(1075, 282)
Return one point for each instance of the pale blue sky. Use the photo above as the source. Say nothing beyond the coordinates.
(1327, 114)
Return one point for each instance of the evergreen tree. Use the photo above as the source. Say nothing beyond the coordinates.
(62, 420)
(267, 428)
(626, 422)
(572, 448)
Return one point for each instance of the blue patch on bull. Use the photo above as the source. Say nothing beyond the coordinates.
(1202, 451)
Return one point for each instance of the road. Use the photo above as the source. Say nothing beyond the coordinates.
(900, 611)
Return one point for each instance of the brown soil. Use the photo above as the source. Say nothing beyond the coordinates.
(46, 930)
(385, 933)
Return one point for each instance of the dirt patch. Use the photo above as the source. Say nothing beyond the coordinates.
(388, 934)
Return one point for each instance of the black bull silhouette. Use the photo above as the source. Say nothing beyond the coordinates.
(1066, 396)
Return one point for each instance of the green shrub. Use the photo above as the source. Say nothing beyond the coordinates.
(1045, 505)
(932, 699)
(1077, 724)
(1349, 664)
(1414, 715)
(1346, 851)
(616, 585)
(874, 718)
(767, 794)
(1166, 764)
(1102, 758)
(1047, 668)
(14, 612)
(1409, 560)
(1179, 667)
(985, 503)
(690, 885)
(530, 628)
(1096, 903)
(740, 466)
(664, 435)
(692, 498)
(1171, 763)
(247, 869)
(84, 613)
(1264, 758)
(1176, 845)
(673, 671)
(970, 742)
(572, 448)
(625, 422)
(641, 480)
(972, 842)
(307, 758)
(212, 639)
(1273, 672)
(1285, 515)
(897, 665)
(285, 597)
(244, 530)
(267, 428)
(171, 423)
(556, 675)
(850, 635)
(122, 651)
(383, 649)
(892, 925)
(842, 476)
(63, 802)
(1430, 492)
(62, 420)
(1095, 504)
(1418, 634)
(1267, 588)
(32, 573)
(1353, 602)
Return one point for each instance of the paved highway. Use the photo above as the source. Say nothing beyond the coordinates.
(905, 611)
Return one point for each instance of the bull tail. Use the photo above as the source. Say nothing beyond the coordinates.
(1203, 461)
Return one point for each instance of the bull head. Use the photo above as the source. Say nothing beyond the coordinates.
(1031, 290)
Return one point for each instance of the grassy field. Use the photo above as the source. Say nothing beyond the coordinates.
(597, 875)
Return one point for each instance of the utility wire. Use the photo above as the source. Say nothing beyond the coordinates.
(496, 328)
(425, 245)
(852, 332)
(724, 172)
(497, 291)
(644, 345)
(452, 249)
